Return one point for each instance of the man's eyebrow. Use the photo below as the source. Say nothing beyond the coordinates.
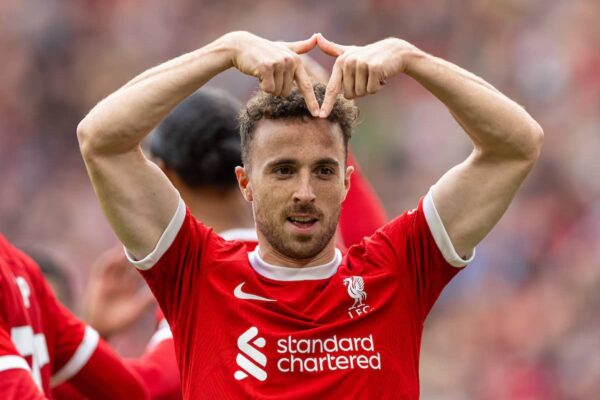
(281, 161)
(328, 161)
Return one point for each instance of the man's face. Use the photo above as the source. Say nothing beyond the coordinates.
(296, 182)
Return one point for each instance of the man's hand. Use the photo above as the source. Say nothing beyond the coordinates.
(362, 70)
(276, 64)
(117, 295)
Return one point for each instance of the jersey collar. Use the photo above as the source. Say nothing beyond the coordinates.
(279, 273)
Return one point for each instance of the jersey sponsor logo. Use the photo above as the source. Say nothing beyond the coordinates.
(356, 291)
(330, 354)
(308, 355)
(247, 344)
(240, 294)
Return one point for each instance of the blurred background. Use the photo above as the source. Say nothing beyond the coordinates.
(522, 322)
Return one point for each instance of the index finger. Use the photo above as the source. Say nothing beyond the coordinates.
(333, 89)
(306, 88)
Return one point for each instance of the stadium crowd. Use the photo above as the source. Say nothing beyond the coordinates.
(520, 323)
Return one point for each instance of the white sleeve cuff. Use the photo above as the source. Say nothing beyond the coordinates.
(13, 362)
(82, 355)
(165, 241)
(440, 236)
(162, 333)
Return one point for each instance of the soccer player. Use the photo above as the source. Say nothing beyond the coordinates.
(197, 146)
(296, 318)
(42, 345)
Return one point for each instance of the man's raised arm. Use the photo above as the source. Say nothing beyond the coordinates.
(472, 196)
(137, 198)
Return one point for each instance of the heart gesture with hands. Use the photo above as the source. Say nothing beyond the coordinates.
(277, 65)
(358, 70)
(362, 70)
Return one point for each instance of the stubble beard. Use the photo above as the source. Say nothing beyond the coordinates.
(295, 247)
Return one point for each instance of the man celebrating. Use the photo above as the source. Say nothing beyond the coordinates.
(296, 318)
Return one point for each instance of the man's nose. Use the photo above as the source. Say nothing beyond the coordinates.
(304, 192)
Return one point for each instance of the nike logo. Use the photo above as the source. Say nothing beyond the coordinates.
(240, 294)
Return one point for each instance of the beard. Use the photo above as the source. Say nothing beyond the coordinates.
(297, 247)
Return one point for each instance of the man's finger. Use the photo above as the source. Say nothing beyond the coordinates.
(374, 83)
(306, 88)
(328, 47)
(360, 79)
(279, 75)
(267, 82)
(288, 81)
(348, 80)
(333, 89)
(302, 46)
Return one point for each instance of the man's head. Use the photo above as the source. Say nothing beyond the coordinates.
(295, 170)
(199, 140)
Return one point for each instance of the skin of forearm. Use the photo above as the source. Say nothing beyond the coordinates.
(498, 126)
(121, 121)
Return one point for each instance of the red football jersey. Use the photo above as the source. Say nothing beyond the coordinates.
(38, 336)
(350, 328)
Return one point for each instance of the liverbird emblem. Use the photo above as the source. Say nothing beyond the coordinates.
(356, 290)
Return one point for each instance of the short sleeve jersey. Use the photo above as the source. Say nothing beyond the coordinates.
(351, 328)
(37, 334)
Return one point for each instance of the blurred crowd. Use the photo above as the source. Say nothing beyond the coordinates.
(521, 322)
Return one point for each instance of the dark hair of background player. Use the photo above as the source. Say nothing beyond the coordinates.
(199, 139)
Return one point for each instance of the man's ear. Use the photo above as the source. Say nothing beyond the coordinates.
(349, 171)
(241, 173)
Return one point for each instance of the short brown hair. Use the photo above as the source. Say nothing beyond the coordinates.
(263, 105)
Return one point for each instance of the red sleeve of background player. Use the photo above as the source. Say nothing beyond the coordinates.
(77, 355)
(15, 374)
(158, 367)
(362, 212)
(107, 376)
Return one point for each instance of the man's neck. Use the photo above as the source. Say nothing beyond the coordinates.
(220, 209)
(272, 256)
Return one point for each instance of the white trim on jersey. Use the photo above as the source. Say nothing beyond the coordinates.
(279, 273)
(165, 241)
(436, 226)
(82, 355)
(13, 362)
(162, 333)
(241, 234)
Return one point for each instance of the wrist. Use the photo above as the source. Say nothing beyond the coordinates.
(413, 56)
(229, 46)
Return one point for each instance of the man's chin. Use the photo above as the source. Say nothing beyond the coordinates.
(302, 248)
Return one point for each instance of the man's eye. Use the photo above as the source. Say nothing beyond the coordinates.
(325, 171)
(282, 171)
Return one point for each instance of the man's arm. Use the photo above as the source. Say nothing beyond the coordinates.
(472, 196)
(137, 198)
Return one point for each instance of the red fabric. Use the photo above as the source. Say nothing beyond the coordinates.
(106, 376)
(35, 327)
(158, 368)
(231, 348)
(17, 384)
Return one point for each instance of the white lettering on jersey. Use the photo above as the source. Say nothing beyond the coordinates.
(330, 354)
(28, 344)
(246, 349)
(24, 289)
(240, 294)
(356, 290)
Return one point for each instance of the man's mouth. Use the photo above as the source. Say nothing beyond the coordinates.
(303, 222)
